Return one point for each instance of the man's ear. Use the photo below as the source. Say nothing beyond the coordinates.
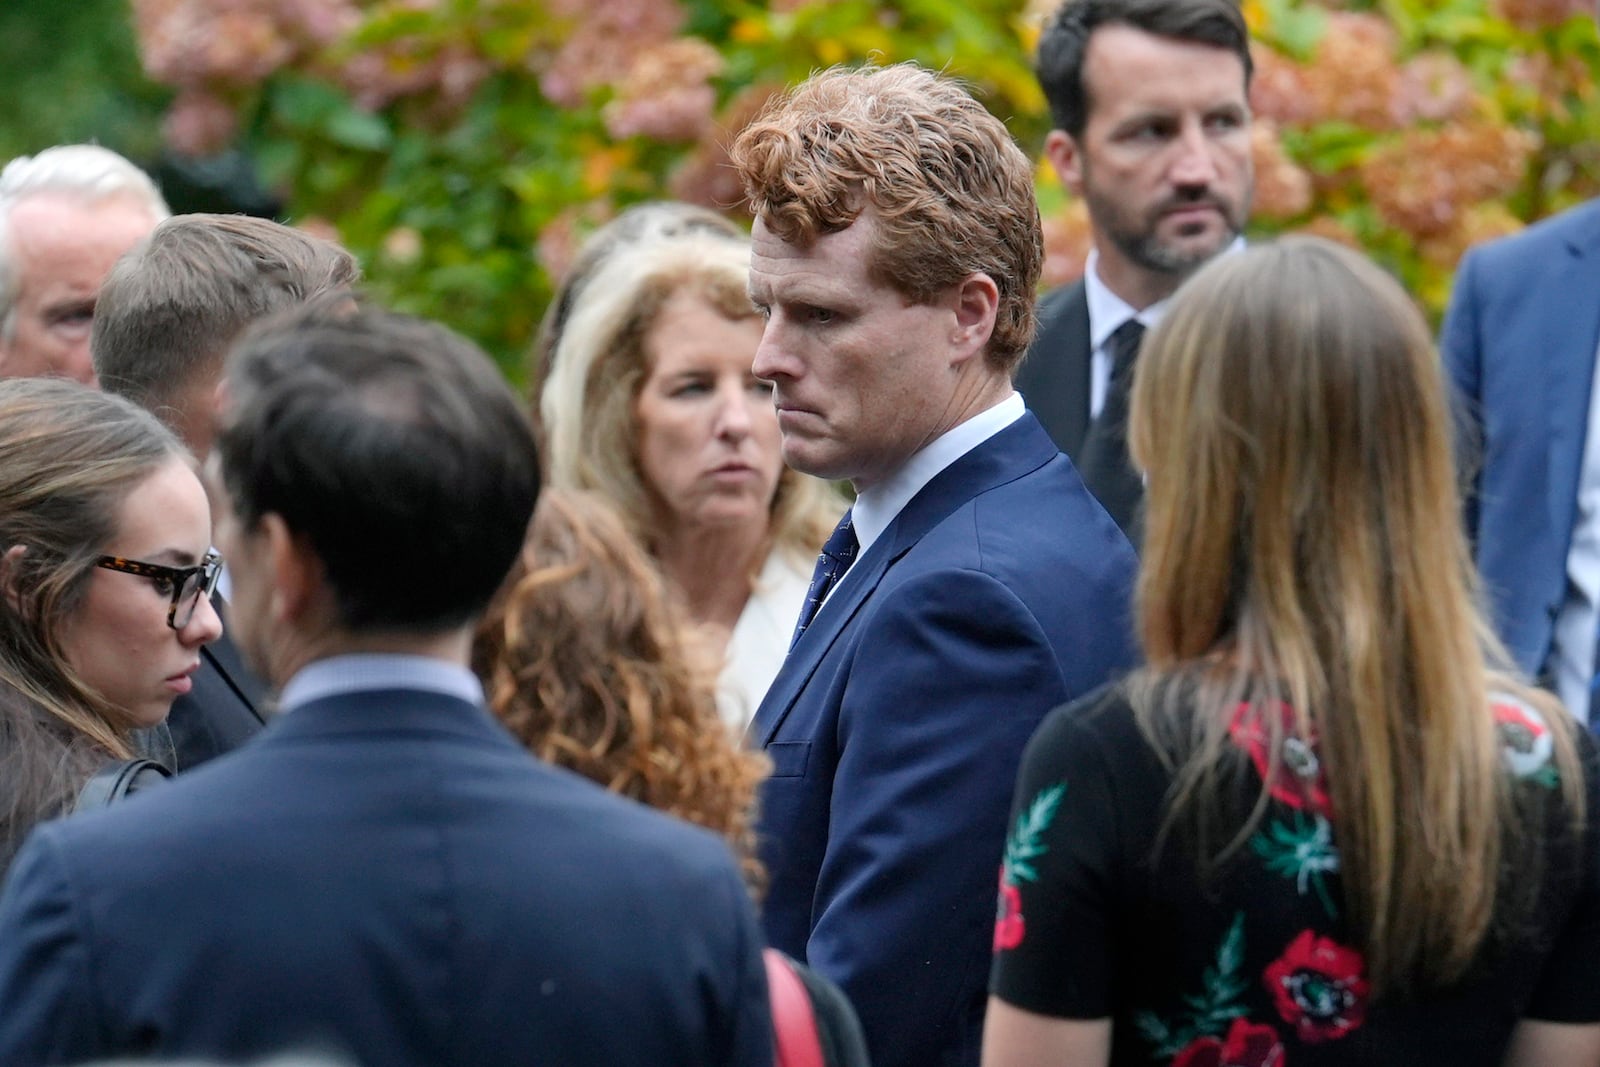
(8, 575)
(1066, 159)
(977, 302)
(296, 569)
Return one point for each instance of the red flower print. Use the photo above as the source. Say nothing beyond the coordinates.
(1008, 920)
(1247, 1045)
(1525, 739)
(1300, 782)
(1317, 986)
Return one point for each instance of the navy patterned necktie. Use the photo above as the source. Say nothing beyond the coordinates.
(832, 562)
(1103, 461)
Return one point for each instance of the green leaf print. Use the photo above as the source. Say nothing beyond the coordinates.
(1302, 850)
(1209, 1011)
(1023, 846)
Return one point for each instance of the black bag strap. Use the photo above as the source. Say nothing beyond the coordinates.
(116, 780)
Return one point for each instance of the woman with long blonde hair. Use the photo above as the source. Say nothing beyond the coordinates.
(1323, 825)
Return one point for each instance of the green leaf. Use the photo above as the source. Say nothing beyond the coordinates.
(1024, 845)
(355, 128)
(1294, 28)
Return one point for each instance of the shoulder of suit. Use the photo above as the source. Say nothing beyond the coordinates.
(1061, 297)
(1578, 226)
(1042, 522)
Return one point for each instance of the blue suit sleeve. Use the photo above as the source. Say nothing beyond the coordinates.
(49, 1013)
(1460, 348)
(953, 674)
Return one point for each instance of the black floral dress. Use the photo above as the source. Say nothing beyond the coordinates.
(1252, 964)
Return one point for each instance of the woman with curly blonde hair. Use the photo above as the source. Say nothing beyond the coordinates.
(588, 660)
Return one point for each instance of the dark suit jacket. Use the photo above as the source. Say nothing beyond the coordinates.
(897, 722)
(1054, 378)
(390, 876)
(225, 708)
(1519, 346)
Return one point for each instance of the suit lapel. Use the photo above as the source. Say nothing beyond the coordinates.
(1018, 450)
(1054, 379)
(1572, 340)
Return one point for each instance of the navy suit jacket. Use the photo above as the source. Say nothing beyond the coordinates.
(897, 722)
(389, 876)
(1054, 378)
(1519, 345)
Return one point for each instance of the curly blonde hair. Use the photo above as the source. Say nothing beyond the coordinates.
(589, 661)
(952, 192)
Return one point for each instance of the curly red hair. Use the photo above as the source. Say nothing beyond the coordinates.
(590, 662)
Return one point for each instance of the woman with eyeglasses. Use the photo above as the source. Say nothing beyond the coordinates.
(105, 581)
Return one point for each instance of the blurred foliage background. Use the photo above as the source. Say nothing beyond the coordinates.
(463, 148)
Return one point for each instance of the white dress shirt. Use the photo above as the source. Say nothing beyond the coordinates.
(1578, 621)
(877, 507)
(1107, 313)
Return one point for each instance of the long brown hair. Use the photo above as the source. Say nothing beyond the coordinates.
(589, 661)
(69, 457)
(1302, 545)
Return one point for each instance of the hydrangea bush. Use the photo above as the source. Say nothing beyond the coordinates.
(462, 148)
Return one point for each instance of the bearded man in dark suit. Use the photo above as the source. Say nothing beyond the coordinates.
(1152, 129)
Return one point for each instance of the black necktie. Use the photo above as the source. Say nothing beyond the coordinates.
(832, 562)
(1103, 461)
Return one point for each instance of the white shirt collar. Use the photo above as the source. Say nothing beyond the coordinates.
(877, 507)
(1108, 311)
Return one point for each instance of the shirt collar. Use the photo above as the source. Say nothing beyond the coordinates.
(877, 507)
(1108, 311)
(342, 675)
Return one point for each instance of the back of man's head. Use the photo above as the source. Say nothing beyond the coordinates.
(391, 448)
(172, 305)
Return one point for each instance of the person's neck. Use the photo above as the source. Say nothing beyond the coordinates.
(1137, 287)
(298, 650)
(714, 569)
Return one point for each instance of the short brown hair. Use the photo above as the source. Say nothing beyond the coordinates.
(1064, 44)
(172, 305)
(952, 192)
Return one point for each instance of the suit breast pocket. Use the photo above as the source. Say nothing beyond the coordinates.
(789, 758)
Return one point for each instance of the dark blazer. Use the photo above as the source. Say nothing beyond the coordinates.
(1054, 378)
(1519, 345)
(226, 707)
(896, 725)
(389, 876)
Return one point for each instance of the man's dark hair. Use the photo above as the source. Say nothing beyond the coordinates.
(1065, 42)
(170, 307)
(393, 447)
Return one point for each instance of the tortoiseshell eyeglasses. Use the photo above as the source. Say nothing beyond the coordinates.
(187, 584)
